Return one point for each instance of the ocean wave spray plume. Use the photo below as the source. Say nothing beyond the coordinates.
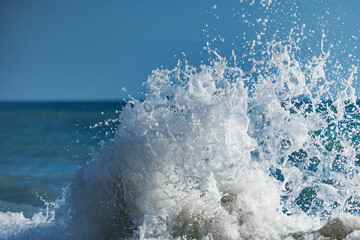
(217, 152)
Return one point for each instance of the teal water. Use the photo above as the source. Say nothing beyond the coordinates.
(43, 144)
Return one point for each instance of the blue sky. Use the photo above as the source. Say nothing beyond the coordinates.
(89, 50)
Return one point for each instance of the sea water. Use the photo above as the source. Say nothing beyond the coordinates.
(223, 150)
(42, 144)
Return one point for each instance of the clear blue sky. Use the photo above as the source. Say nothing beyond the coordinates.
(89, 50)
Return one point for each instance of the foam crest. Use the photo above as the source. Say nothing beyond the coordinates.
(202, 157)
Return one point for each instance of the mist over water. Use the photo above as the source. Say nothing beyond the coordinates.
(260, 144)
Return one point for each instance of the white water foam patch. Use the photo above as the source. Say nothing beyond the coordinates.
(181, 166)
(282, 132)
(16, 226)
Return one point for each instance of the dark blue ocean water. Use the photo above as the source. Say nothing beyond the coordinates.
(43, 144)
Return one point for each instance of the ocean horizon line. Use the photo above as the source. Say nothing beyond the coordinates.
(65, 100)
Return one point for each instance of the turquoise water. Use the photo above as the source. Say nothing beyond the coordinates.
(43, 144)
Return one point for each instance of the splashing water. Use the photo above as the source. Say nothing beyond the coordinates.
(217, 152)
(212, 153)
